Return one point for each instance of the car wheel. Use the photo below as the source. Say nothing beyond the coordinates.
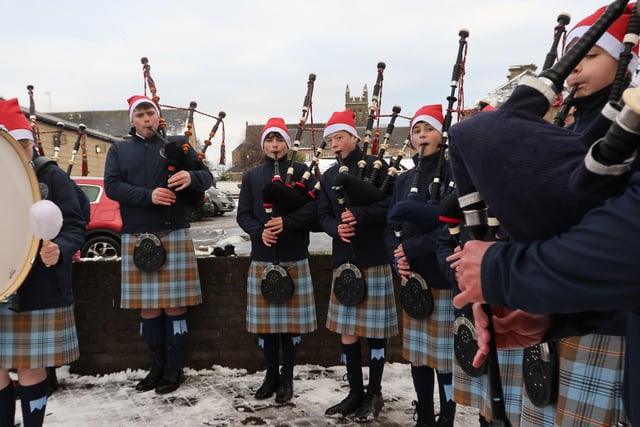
(101, 246)
(194, 214)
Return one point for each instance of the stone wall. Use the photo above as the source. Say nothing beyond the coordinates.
(109, 339)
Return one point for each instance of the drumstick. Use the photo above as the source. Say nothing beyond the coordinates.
(46, 221)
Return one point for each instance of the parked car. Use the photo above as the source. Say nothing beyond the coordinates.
(104, 228)
(216, 202)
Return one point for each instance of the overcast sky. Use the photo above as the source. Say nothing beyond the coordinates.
(251, 58)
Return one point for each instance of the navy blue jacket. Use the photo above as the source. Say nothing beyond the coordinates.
(48, 287)
(419, 247)
(367, 248)
(594, 266)
(293, 242)
(137, 166)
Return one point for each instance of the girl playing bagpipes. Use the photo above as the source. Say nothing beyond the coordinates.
(358, 236)
(427, 341)
(279, 231)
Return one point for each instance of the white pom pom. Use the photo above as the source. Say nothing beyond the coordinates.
(46, 219)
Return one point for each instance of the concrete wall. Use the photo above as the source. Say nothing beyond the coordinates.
(109, 339)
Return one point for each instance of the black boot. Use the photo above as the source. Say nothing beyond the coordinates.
(371, 405)
(373, 402)
(33, 400)
(270, 346)
(285, 386)
(153, 331)
(353, 356)
(8, 405)
(423, 383)
(176, 337)
(447, 405)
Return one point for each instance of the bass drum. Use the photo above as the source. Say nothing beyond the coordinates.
(20, 246)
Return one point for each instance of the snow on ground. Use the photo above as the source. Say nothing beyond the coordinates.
(224, 397)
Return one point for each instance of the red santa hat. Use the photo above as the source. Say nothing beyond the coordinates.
(275, 124)
(341, 120)
(14, 120)
(613, 40)
(431, 114)
(136, 100)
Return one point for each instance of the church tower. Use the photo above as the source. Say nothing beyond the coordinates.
(359, 105)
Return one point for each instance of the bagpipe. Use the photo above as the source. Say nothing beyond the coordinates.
(421, 203)
(176, 149)
(363, 189)
(285, 197)
(499, 156)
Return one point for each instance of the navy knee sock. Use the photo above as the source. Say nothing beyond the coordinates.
(423, 382)
(353, 359)
(447, 405)
(7, 405)
(377, 347)
(33, 400)
(176, 337)
(270, 347)
(289, 346)
(153, 332)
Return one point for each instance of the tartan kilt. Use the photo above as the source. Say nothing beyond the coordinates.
(298, 315)
(474, 392)
(430, 341)
(175, 284)
(376, 316)
(591, 381)
(37, 339)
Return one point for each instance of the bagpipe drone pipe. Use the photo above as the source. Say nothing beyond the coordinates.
(289, 195)
(176, 149)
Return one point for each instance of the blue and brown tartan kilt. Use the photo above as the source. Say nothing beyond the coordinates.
(591, 381)
(175, 284)
(37, 339)
(474, 392)
(298, 315)
(430, 341)
(376, 316)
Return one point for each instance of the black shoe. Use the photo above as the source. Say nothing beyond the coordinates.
(285, 391)
(444, 421)
(347, 406)
(268, 387)
(151, 380)
(370, 406)
(170, 381)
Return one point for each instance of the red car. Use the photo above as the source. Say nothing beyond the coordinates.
(103, 239)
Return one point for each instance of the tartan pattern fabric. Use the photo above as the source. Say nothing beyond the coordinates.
(591, 377)
(590, 389)
(430, 341)
(38, 338)
(474, 392)
(298, 315)
(376, 316)
(175, 284)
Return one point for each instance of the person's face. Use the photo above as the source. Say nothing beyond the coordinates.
(423, 134)
(28, 146)
(274, 145)
(341, 143)
(596, 71)
(145, 120)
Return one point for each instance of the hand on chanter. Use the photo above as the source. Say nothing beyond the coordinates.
(512, 328)
(467, 265)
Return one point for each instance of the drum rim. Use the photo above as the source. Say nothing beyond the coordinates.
(19, 278)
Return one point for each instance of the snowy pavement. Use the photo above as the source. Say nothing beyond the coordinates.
(224, 397)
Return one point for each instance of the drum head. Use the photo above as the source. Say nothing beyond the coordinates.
(20, 246)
